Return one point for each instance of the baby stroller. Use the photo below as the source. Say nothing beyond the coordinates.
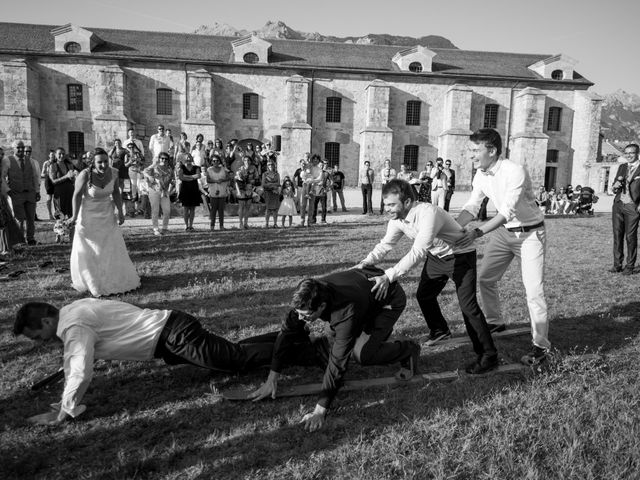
(586, 199)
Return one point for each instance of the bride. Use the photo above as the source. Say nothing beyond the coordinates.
(99, 259)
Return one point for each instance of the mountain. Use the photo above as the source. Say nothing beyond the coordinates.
(621, 117)
(280, 29)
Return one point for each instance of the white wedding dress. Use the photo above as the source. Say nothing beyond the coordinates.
(100, 262)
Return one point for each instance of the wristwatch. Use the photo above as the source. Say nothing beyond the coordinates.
(479, 232)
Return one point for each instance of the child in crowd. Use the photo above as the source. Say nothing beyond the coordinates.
(288, 205)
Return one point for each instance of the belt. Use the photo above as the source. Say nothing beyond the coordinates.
(525, 228)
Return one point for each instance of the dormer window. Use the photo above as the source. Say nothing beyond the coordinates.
(72, 47)
(416, 59)
(415, 67)
(557, 75)
(251, 58)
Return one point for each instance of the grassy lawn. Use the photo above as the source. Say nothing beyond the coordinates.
(578, 418)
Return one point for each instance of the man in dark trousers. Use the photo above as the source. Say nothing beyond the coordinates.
(111, 330)
(626, 211)
(361, 324)
(451, 183)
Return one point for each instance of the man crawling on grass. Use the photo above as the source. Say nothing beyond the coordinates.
(361, 322)
(112, 330)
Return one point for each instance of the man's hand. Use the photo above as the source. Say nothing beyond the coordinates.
(381, 286)
(268, 389)
(359, 266)
(314, 421)
(466, 240)
(120, 218)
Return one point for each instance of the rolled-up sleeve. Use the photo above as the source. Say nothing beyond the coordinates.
(390, 239)
(513, 191)
(78, 367)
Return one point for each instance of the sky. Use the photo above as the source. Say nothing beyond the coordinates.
(602, 35)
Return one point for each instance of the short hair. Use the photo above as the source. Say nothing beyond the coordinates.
(164, 155)
(439, 159)
(309, 294)
(633, 145)
(188, 156)
(98, 151)
(399, 187)
(15, 143)
(367, 162)
(198, 136)
(30, 315)
(490, 138)
(160, 126)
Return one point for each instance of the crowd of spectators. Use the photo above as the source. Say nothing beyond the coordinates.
(566, 200)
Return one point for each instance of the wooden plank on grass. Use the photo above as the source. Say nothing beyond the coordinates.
(509, 332)
(351, 385)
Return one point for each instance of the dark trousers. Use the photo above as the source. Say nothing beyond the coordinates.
(184, 340)
(322, 200)
(447, 199)
(216, 207)
(625, 229)
(24, 210)
(367, 192)
(372, 347)
(460, 267)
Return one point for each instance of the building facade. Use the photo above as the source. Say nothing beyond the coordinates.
(80, 88)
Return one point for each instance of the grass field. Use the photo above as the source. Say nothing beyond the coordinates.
(578, 418)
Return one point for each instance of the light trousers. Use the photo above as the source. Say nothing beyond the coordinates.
(158, 202)
(501, 249)
(437, 197)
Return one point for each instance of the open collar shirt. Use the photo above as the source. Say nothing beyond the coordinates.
(509, 187)
(432, 230)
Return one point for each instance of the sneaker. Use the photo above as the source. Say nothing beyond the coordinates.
(436, 337)
(535, 356)
(409, 366)
(482, 365)
(495, 328)
(156, 232)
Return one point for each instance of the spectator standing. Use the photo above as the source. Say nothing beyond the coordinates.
(451, 184)
(387, 173)
(161, 183)
(118, 157)
(133, 144)
(21, 179)
(367, 176)
(271, 187)
(542, 199)
(245, 180)
(288, 204)
(439, 184)
(321, 190)
(183, 148)
(297, 182)
(63, 175)
(218, 187)
(626, 211)
(311, 176)
(10, 234)
(337, 187)
(48, 185)
(425, 181)
(159, 143)
(189, 175)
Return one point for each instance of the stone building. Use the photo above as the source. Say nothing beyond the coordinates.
(82, 87)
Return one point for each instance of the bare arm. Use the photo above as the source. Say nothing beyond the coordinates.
(76, 200)
(117, 196)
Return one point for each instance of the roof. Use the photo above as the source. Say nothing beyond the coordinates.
(26, 39)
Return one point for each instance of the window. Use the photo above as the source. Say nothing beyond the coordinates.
(163, 99)
(250, 106)
(334, 109)
(332, 153)
(552, 156)
(72, 47)
(411, 157)
(415, 67)
(553, 121)
(413, 112)
(76, 144)
(74, 97)
(251, 58)
(491, 115)
(557, 74)
(550, 174)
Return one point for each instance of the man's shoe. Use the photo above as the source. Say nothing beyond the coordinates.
(536, 356)
(436, 337)
(615, 270)
(409, 366)
(32, 243)
(482, 365)
(500, 327)
(627, 271)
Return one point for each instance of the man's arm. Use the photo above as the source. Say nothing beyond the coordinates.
(391, 238)
(472, 207)
(35, 169)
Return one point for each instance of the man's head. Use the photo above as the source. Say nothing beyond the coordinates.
(315, 159)
(130, 133)
(60, 154)
(447, 163)
(542, 188)
(631, 152)
(485, 147)
(37, 321)
(52, 155)
(18, 148)
(336, 168)
(309, 299)
(398, 197)
(367, 164)
(27, 151)
(387, 163)
(439, 161)
(161, 130)
(403, 168)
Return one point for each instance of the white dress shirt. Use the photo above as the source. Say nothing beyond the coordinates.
(509, 187)
(159, 144)
(106, 329)
(432, 230)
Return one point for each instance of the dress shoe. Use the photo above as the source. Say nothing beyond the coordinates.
(482, 365)
(615, 270)
(627, 271)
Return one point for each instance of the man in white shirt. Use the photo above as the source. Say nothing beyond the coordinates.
(434, 232)
(136, 147)
(519, 232)
(439, 184)
(387, 173)
(107, 329)
(159, 143)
